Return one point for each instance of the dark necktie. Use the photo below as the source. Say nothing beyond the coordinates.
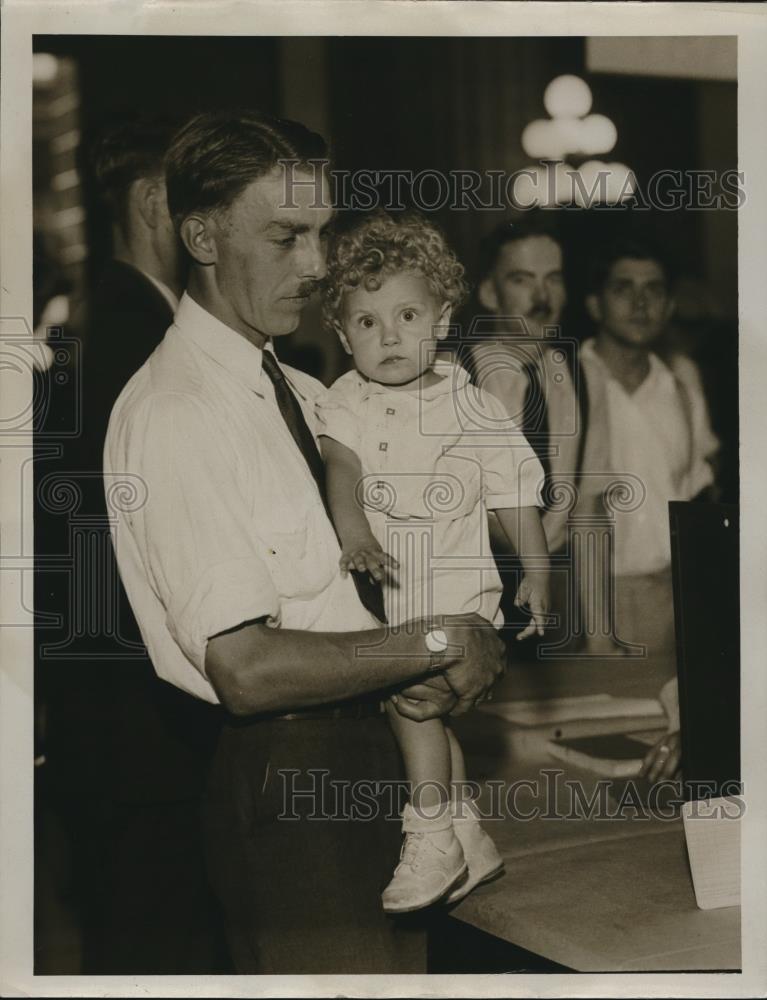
(369, 590)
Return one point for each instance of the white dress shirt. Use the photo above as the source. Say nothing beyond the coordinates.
(434, 461)
(233, 527)
(662, 439)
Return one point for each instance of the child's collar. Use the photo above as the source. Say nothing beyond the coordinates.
(452, 378)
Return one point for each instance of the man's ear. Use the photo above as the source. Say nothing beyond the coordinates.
(593, 307)
(197, 235)
(150, 199)
(670, 309)
(443, 323)
(487, 296)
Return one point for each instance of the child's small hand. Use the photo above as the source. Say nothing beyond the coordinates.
(367, 557)
(534, 594)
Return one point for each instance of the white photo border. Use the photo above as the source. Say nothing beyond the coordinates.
(22, 20)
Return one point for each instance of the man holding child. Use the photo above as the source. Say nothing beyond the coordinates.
(232, 568)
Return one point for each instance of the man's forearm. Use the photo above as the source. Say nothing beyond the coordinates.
(257, 669)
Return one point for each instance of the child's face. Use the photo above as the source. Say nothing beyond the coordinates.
(392, 332)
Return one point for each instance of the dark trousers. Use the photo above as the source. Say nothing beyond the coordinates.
(298, 880)
(128, 756)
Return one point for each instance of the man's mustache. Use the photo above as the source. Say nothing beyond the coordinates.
(308, 288)
(539, 312)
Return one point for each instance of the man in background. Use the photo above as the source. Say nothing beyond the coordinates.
(126, 752)
(524, 360)
(136, 292)
(648, 427)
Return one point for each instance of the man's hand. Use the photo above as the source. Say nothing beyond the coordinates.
(367, 556)
(475, 659)
(662, 760)
(430, 699)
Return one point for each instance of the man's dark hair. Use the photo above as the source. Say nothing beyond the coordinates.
(216, 155)
(625, 248)
(538, 222)
(125, 151)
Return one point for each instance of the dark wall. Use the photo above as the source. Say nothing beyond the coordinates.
(428, 103)
(438, 103)
(168, 76)
(443, 104)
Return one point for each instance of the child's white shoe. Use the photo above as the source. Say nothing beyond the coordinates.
(431, 862)
(482, 857)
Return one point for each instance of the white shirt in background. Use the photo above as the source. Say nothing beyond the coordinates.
(660, 438)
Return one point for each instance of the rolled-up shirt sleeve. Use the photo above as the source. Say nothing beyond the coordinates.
(512, 474)
(337, 415)
(195, 532)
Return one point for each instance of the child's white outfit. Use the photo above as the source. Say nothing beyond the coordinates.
(434, 461)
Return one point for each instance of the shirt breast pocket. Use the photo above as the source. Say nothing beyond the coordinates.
(299, 561)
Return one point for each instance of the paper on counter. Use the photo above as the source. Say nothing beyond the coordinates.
(551, 710)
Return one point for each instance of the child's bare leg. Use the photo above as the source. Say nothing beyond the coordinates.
(431, 861)
(479, 850)
(457, 763)
(427, 755)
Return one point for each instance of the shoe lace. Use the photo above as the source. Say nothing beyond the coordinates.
(410, 848)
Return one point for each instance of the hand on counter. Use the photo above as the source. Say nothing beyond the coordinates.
(662, 760)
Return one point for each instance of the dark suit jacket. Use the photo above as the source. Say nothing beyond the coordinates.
(128, 318)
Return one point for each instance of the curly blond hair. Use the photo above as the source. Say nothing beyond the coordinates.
(379, 246)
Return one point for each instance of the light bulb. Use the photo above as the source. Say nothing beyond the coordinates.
(541, 140)
(570, 133)
(45, 67)
(598, 135)
(567, 97)
(592, 189)
(560, 184)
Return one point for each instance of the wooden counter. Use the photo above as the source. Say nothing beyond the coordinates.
(592, 894)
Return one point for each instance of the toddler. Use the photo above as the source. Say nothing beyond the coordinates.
(415, 457)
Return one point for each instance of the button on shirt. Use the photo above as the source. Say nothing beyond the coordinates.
(433, 462)
(232, 527)
(662, 439)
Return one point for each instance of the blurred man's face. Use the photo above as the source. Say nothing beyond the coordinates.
(527, 283)
(634, 304)
(269, 257)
